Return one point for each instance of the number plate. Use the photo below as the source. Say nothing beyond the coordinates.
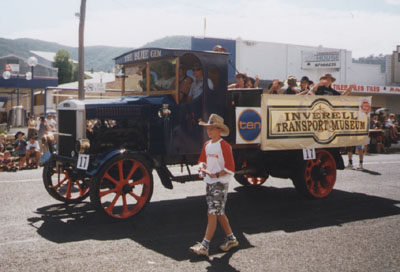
(83, 162)
(309, 154)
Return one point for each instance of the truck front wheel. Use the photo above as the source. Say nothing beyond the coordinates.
(316, 178)
(123, 186)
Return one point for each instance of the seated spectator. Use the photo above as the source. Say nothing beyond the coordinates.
(8, 163)
(2, 142)
(292, 83)
(32, 150)
(20, 148)
(275, 87)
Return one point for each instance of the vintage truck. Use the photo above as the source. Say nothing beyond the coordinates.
(108, 149)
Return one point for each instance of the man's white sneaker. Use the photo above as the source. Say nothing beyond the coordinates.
(360, 167)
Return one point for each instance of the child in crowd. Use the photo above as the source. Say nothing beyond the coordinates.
(8, 163)
(32, 149)
(216, 165)
(20, 148)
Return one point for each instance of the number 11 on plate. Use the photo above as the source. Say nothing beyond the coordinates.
(309, 154)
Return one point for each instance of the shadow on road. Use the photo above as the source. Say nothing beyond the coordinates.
(170, 227)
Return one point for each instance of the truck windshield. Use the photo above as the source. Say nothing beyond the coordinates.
(152, 76)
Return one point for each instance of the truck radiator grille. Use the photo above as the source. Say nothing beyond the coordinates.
(66, 124)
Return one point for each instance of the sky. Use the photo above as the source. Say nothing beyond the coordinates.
(364, 27)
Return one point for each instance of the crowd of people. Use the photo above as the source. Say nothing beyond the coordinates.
(25, 152)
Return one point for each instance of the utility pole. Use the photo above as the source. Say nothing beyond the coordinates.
(81, 58)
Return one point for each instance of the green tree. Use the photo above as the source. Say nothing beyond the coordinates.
(64, 65)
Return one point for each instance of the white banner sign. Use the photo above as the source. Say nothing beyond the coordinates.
(305, 122)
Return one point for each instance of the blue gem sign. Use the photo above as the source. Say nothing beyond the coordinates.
(249, 125)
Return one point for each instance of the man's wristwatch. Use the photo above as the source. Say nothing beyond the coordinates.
(217, 175)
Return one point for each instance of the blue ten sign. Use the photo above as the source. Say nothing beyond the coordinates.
(249, 125)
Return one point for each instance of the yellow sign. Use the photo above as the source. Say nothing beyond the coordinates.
(302, 122)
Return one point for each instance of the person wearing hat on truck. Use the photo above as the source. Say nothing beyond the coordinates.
(217, 166)
(292, 83)
(305, 84)
(324, 87)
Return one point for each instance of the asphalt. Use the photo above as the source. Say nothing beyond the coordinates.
(354, 229)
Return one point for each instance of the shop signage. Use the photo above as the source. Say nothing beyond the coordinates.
(318, 60)
(314, 121)
(367, 89)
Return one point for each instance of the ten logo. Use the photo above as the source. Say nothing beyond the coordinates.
(249, 125)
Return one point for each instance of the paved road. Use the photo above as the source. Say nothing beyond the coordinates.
(355, 229)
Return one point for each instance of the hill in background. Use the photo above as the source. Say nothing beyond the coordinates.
(100, 58)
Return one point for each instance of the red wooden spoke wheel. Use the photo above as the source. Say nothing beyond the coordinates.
(249, 180)
(123, 187)
(65, 186)
(317, 177)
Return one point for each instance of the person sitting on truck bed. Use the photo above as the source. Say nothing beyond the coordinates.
(196, 89)
(305, 85)
(292, 82)
(324, 86)
(275, 86)
(240, 78)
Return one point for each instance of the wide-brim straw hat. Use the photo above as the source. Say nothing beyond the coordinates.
(216, 121)
(328, 76)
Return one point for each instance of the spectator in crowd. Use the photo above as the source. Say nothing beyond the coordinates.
(360, 150)
(379, 140)
(32, 150)
(185, 82)
(8, 163)
(389, 124)
(42, 130)
(2, 142)
(32, 125)
(292, 84)
(275, 86)
(305, 85)
(373, 122)
(20, 148)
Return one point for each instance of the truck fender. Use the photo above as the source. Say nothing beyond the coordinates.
(103, 158)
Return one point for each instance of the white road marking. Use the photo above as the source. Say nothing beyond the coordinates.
(19, 241)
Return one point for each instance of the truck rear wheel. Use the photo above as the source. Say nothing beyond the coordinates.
(248, 180)
(316, 178)
(64, 186)
(123, 187)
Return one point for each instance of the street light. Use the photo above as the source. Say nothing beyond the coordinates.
(32, 62)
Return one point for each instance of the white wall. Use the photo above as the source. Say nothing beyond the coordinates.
(276, 60)
(368, 74)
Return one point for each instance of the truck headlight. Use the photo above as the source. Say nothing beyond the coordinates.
(82, 146)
